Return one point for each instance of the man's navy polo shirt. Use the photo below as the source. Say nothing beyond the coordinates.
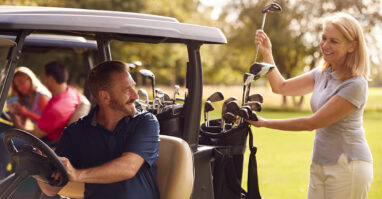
(87, 144)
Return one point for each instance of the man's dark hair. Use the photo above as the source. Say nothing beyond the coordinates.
(58, 71)
(100, 75)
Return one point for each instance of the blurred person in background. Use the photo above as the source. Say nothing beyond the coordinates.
(31, 96)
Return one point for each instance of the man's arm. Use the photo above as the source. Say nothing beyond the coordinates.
(122, 168)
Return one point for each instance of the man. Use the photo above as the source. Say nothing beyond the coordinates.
(64, 102)
(113, 150)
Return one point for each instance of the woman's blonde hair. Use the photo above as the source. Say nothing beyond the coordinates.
(36, 84)
(356, 62)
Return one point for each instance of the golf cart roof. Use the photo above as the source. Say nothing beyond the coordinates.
(116, 25)
(45, 42)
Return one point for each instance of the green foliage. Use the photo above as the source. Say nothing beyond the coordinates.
(295, 34)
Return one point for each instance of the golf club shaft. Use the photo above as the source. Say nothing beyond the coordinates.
(262, 28)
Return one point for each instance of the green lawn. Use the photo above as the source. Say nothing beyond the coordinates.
(284, 157)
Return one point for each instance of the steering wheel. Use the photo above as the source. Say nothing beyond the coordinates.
(29, 160)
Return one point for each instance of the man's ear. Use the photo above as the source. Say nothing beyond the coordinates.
(104, 96)
(353, 46)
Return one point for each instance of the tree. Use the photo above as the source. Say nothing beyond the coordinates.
(295, 33)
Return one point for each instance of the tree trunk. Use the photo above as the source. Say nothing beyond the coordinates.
(298, 103)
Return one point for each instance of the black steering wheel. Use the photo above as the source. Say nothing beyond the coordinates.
(34, 158)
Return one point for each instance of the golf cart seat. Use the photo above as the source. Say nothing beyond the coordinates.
(81, 110)
(175, 175)
(175, 168)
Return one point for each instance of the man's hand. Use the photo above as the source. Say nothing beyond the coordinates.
(72, 172)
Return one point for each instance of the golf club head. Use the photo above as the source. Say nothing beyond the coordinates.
(176, 92)
(137, 63)
(260, 69)
(248, 108)
(142, 93)
(253, 116)
(148, 74)
(243, 113)
(208, 107)
(224, 107)
(166, 97)
(215, 97)
(159, 93)
(255, 97)
(233, 107)
(131, 66)
(272, 7)
(229, 118)
(255, 105)
(248, 78)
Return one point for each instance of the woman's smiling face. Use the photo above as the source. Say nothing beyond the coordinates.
(334, 46)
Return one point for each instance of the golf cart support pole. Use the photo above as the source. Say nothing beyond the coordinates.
(193, 101)
(13, 58)
(203, 187)
(103, 45)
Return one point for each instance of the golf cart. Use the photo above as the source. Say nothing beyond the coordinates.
(185, 166)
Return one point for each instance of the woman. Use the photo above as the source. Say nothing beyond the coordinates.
(32, 96)
(341, 161)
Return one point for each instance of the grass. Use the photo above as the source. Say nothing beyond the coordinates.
(284, 157)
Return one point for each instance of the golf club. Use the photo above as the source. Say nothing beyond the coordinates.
(273, 7)
(207, 108)
(255, 105)
(248, 78)
(243, 113)
(148, 74)
(215, 97)
(228, 118)
(142, 93)
(134, 64)
(234, 108)
(261, 69)
(166, 97)
(252, 115)
(224, 109)
(255, 97)
(176, 92)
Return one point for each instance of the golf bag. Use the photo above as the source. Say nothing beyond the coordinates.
(229, 155)
(171, 120)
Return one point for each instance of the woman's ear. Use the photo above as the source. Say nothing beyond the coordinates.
(353, 46)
